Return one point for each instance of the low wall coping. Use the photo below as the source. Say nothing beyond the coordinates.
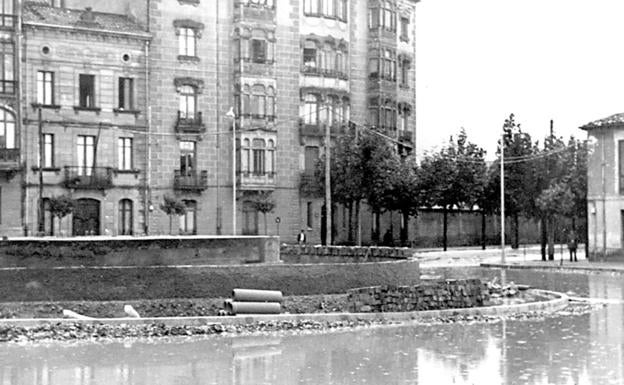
(551, 305)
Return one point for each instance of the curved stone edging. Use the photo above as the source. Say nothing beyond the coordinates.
(499, 310)
(564, 269)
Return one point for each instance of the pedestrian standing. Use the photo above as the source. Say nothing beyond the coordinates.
(301, 238)
(572, 245)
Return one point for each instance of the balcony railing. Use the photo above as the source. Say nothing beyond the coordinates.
(190, 181)
(91, 178)
(9, 155)
(256, 180)
(406, 136)
(192, 124)
(318, 129)
(8, 87)
(313, 70)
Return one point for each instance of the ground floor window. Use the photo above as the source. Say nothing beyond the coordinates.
(188, 224)
(250, 220)
(125, 217)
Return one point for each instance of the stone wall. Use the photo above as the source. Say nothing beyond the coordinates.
(449, 294)
(341, 254)
(143, 251)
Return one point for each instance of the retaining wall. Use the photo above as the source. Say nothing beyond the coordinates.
(143, 251)
(130, 283)
(449, 294)
(342, 254)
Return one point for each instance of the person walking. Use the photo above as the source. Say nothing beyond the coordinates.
(301, 238)
(572, 245)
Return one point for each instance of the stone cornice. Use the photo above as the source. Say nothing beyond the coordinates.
(87, 31)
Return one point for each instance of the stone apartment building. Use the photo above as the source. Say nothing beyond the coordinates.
(122, 103)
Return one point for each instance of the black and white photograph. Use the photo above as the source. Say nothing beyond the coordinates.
(311, 192)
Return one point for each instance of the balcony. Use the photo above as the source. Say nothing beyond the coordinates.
(248, 180)
(88, 178)
(406, 136)
(316, 71)
(192, 181)
(254, 12)
(9, 159)
(318, 130)
(190, 125)
(8, 87)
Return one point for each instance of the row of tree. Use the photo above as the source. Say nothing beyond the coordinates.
(545, 181)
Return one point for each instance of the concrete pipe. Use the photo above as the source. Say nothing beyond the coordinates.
(255, 308)
(248, 295)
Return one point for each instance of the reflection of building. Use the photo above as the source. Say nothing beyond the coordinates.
(133, 98)
(605, 186)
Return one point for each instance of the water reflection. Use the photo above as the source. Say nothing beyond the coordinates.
(568, 349)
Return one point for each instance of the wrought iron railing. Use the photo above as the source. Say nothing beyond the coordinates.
(95, 178)
(193, 181)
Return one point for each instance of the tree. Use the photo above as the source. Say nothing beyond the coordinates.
(555, 202)
(172, 206)
(61, 206)
(262, 202)
(454, 177)
(404, 192)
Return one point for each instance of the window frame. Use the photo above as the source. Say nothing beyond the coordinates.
(86, 88)
(48, 151)
(125, 97)
(7, 129)
(45, 88)
(125, 154)
(187, 41)
(126, 217)
(188, 220)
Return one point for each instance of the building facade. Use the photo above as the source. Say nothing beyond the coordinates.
(220, 104)
(605, 187)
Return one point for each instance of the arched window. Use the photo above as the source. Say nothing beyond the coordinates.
(310, 109)
(246, 148)
(125, 217)
(270, 103)
(188, 225)
(258, 101)
(259, 160)
(270, 157)
(188, 102)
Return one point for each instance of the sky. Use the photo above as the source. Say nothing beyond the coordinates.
(477, 61)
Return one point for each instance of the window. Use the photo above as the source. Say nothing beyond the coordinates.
(311, 7)
(250, 219)
(48, 218)
(263, 3)
(270, 158)
(188, 225)
(188, 102)
(311, 156)
(620, 164)
(125, 217)
(48, 151)
(404, 29)
(341, 9)
(124, 154)
(329, 8)
(382, 17)
(187, 42)
(244, 166)
(382, 67)
(7, 84)
(258, 152)
(87, 91)
(86, 154)
(45, 88)
(270, 103)
(126, 94)
(258, 101)
(310, 215)
(7, 129)
(403, 120)
(405, 67)
(57, 3)
(187, 158)
(310, 109)
(309, 58)
(258, 50)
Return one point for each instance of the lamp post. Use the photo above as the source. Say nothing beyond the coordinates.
(230, 114)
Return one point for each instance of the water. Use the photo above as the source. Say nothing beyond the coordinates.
(567, 349)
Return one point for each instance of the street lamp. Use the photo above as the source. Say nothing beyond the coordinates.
(230, 114)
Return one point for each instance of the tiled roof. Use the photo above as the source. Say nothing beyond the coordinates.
(41, 13)
(613, 120)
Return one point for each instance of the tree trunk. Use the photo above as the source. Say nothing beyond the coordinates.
(483, 237)
(543, 237)
(350, 223)
(405, 229)
(516, 241)
(359, 222)
(551, 239)
(444, 228)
